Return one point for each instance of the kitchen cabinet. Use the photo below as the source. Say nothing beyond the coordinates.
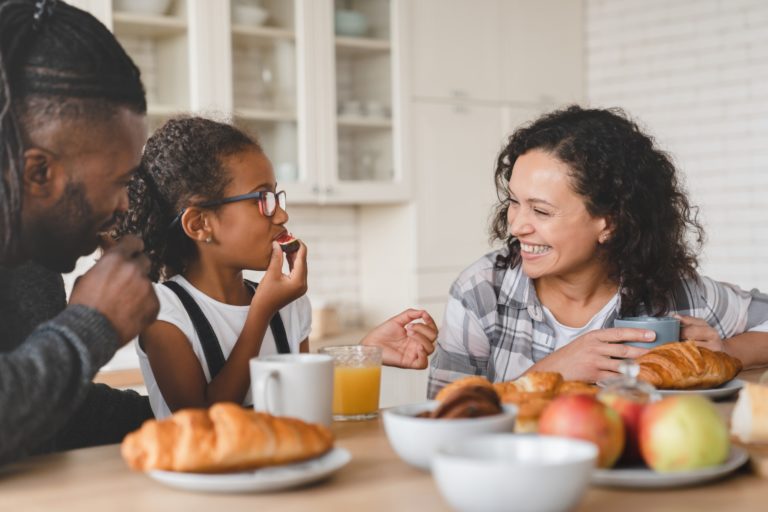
(325, 103)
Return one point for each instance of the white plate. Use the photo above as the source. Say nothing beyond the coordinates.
(723, 391)
(645, 478)
(258, 480)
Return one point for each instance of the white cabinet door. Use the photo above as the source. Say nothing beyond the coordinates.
(454, 153)
(543, 51)
(456, 49)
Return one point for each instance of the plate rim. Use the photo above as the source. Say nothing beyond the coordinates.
(723, 390)
(252, 481)
(650, 479)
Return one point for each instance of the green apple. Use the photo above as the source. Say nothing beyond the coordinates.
(683, 432)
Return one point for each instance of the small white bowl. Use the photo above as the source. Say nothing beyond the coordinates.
(154, 7)
(416, 439)
(244, 14)
(500, 472)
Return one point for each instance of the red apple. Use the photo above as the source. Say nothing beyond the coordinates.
(630, 410)
(585, 417)
(681, 433)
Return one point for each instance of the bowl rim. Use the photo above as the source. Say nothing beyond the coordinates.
(397, 412)
(587, 451)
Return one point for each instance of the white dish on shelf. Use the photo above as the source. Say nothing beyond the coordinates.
(153, 7)
(246, 14)
(646, 478)
(723, 391)
(258, 480)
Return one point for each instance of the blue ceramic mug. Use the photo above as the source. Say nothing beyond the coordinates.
(667, 328)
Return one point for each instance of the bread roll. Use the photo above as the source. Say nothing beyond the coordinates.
(749, 422)
(225, 437)
(685, 365)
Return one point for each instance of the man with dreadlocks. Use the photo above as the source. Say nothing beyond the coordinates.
(72, 125)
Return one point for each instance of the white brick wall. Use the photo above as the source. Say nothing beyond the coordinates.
(695, 73)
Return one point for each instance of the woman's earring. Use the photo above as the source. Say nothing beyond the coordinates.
(209, 239)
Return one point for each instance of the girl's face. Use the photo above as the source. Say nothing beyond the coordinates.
(558, 236)
(243, 235)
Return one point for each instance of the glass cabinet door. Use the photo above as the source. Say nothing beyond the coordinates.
(264, 80)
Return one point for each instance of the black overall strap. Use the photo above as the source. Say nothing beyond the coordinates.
(214, 357)
(278, 328)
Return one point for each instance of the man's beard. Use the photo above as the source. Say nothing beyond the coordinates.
(65, 232)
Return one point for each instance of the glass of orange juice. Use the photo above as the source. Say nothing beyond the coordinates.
(356, 381)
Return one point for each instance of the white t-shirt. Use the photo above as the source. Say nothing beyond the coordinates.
(227, 322)
(565, 334)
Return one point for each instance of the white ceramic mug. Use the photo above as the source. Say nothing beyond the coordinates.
(296, 385)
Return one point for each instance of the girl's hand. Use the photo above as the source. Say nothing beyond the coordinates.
(596, 355)
(698, 330)
(405, 344)
(276, 289)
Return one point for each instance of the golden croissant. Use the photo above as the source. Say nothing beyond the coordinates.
(685, 365)
(225, 437)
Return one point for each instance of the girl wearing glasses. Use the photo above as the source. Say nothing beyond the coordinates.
(204, 200)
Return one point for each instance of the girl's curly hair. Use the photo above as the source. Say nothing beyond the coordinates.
(182, 162)
(622, 176)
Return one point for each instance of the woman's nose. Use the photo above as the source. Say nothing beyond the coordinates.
(518, 223)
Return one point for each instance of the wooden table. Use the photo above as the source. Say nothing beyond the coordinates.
(96, 479)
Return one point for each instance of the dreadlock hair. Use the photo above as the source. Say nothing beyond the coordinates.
(56, 61)
(622, 175)
(182, 164)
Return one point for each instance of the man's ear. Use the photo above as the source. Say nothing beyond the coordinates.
(195, 224)
(40, 176)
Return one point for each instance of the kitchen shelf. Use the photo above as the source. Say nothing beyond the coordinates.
(249, 114)
(148, 26)
(361, 45)
(365, 122)
(250, 32)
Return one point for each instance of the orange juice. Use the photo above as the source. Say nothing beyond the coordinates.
(356, 390)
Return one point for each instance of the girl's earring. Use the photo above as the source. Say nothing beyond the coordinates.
(209, 239)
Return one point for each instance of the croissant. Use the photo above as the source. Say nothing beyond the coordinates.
(225, 437)
(685, 365)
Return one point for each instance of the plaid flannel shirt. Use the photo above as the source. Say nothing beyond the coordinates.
(494, 324)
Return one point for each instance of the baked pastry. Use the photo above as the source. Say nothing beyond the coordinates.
(528, 414)
(474, 380)
(749, 421)
(469, 402)
(529, 386)
(577, 387)
(685, 365)
(225, 437)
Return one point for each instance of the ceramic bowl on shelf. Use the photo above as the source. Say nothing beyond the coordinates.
(350, 23)
(416, 439)
(249, 14)
(152, 7)
(499, 472)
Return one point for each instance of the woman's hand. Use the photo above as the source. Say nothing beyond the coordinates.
(404, 342)
(276, 289)
(698, 330)
(596, 355)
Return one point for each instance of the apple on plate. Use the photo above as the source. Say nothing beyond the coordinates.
(585, 417)
(630, 410)
(681, 433)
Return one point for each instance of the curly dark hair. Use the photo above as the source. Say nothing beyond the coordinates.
(182, 162)
(624, 177)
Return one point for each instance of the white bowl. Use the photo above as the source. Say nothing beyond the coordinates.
(416, 439)
(244, 14)
(500, 472)
(155, 7)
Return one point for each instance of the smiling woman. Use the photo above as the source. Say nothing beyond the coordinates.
(595, 225)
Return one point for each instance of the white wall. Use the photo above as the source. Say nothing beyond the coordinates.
(695, 72)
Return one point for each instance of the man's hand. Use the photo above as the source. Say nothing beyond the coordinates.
(405, 343)
(118, 287)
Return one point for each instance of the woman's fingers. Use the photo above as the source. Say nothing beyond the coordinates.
(619, 334)
(428, 332)
(621, 351)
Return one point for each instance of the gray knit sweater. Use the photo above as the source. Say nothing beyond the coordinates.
(49, 353)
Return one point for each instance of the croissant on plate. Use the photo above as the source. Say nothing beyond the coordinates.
(225, 437)
(685, 365)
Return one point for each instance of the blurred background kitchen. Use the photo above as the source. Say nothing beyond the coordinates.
(383, 119)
